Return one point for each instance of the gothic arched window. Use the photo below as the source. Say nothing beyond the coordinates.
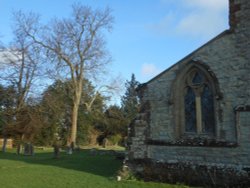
(198, 103)
(195, 96)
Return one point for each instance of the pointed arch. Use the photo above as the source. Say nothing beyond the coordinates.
(195, 93)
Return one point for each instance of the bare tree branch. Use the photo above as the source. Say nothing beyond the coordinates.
(77, 46)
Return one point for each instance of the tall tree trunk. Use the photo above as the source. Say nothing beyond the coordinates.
(19, 144)
(74, 124)
(72, 139)
(4, 144)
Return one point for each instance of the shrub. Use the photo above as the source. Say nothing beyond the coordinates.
(115, 139)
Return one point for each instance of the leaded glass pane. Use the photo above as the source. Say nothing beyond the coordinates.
(190, 112)
(207, 103)
(197, 79)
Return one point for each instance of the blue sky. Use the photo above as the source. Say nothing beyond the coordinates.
(148, 35)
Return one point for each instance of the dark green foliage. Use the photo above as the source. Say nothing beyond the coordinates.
(57, 101)
(53, 114)
(56, 110)
(90, 118)
(130, 100)
(116, 121)
(1, 109)
(7, 105)
(113, 126)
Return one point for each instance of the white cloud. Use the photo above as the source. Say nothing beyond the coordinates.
(7, 56)
(213, 5)
(199, 18)
(149, 69)
(200, 25)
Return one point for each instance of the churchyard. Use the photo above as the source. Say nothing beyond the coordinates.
(82, 169)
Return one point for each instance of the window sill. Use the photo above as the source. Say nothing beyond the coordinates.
(195, 142)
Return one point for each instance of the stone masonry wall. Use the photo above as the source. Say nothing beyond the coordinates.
(230, 156)
(232, 71)
(228, 58)
(220, 57)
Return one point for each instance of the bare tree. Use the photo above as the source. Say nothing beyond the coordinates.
(19, 69)
(108, 90)
(76, 47)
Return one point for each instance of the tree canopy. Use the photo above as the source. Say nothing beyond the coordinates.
(70, 52)
(75, 46)
(130, 100)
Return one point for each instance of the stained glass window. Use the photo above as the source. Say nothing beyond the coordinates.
(199, 119)
(197, 79)
(190, 111)
(207, 104)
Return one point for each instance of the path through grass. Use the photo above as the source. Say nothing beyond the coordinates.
(80, 170)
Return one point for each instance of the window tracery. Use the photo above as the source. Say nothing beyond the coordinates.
(198, 104)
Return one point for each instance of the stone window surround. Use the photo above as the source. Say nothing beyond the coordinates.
(177, 98)
(194, 140)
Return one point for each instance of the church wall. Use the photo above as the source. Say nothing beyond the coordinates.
(219, 57)
(157, 150)
(232, 74)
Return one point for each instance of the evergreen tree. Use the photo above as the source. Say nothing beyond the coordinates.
(116, 122)
(130, 100)
(56, 104)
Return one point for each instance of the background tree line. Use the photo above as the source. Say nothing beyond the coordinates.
(46, 119)
(71, 54)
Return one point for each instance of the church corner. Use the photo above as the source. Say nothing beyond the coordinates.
(194, 122)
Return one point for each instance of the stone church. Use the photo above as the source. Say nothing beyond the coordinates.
(194, 121)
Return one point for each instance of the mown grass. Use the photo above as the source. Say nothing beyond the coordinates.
(78, 170)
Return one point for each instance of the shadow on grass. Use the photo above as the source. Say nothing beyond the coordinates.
(102, 165)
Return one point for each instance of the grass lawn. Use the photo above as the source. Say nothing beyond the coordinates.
(78, 170)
